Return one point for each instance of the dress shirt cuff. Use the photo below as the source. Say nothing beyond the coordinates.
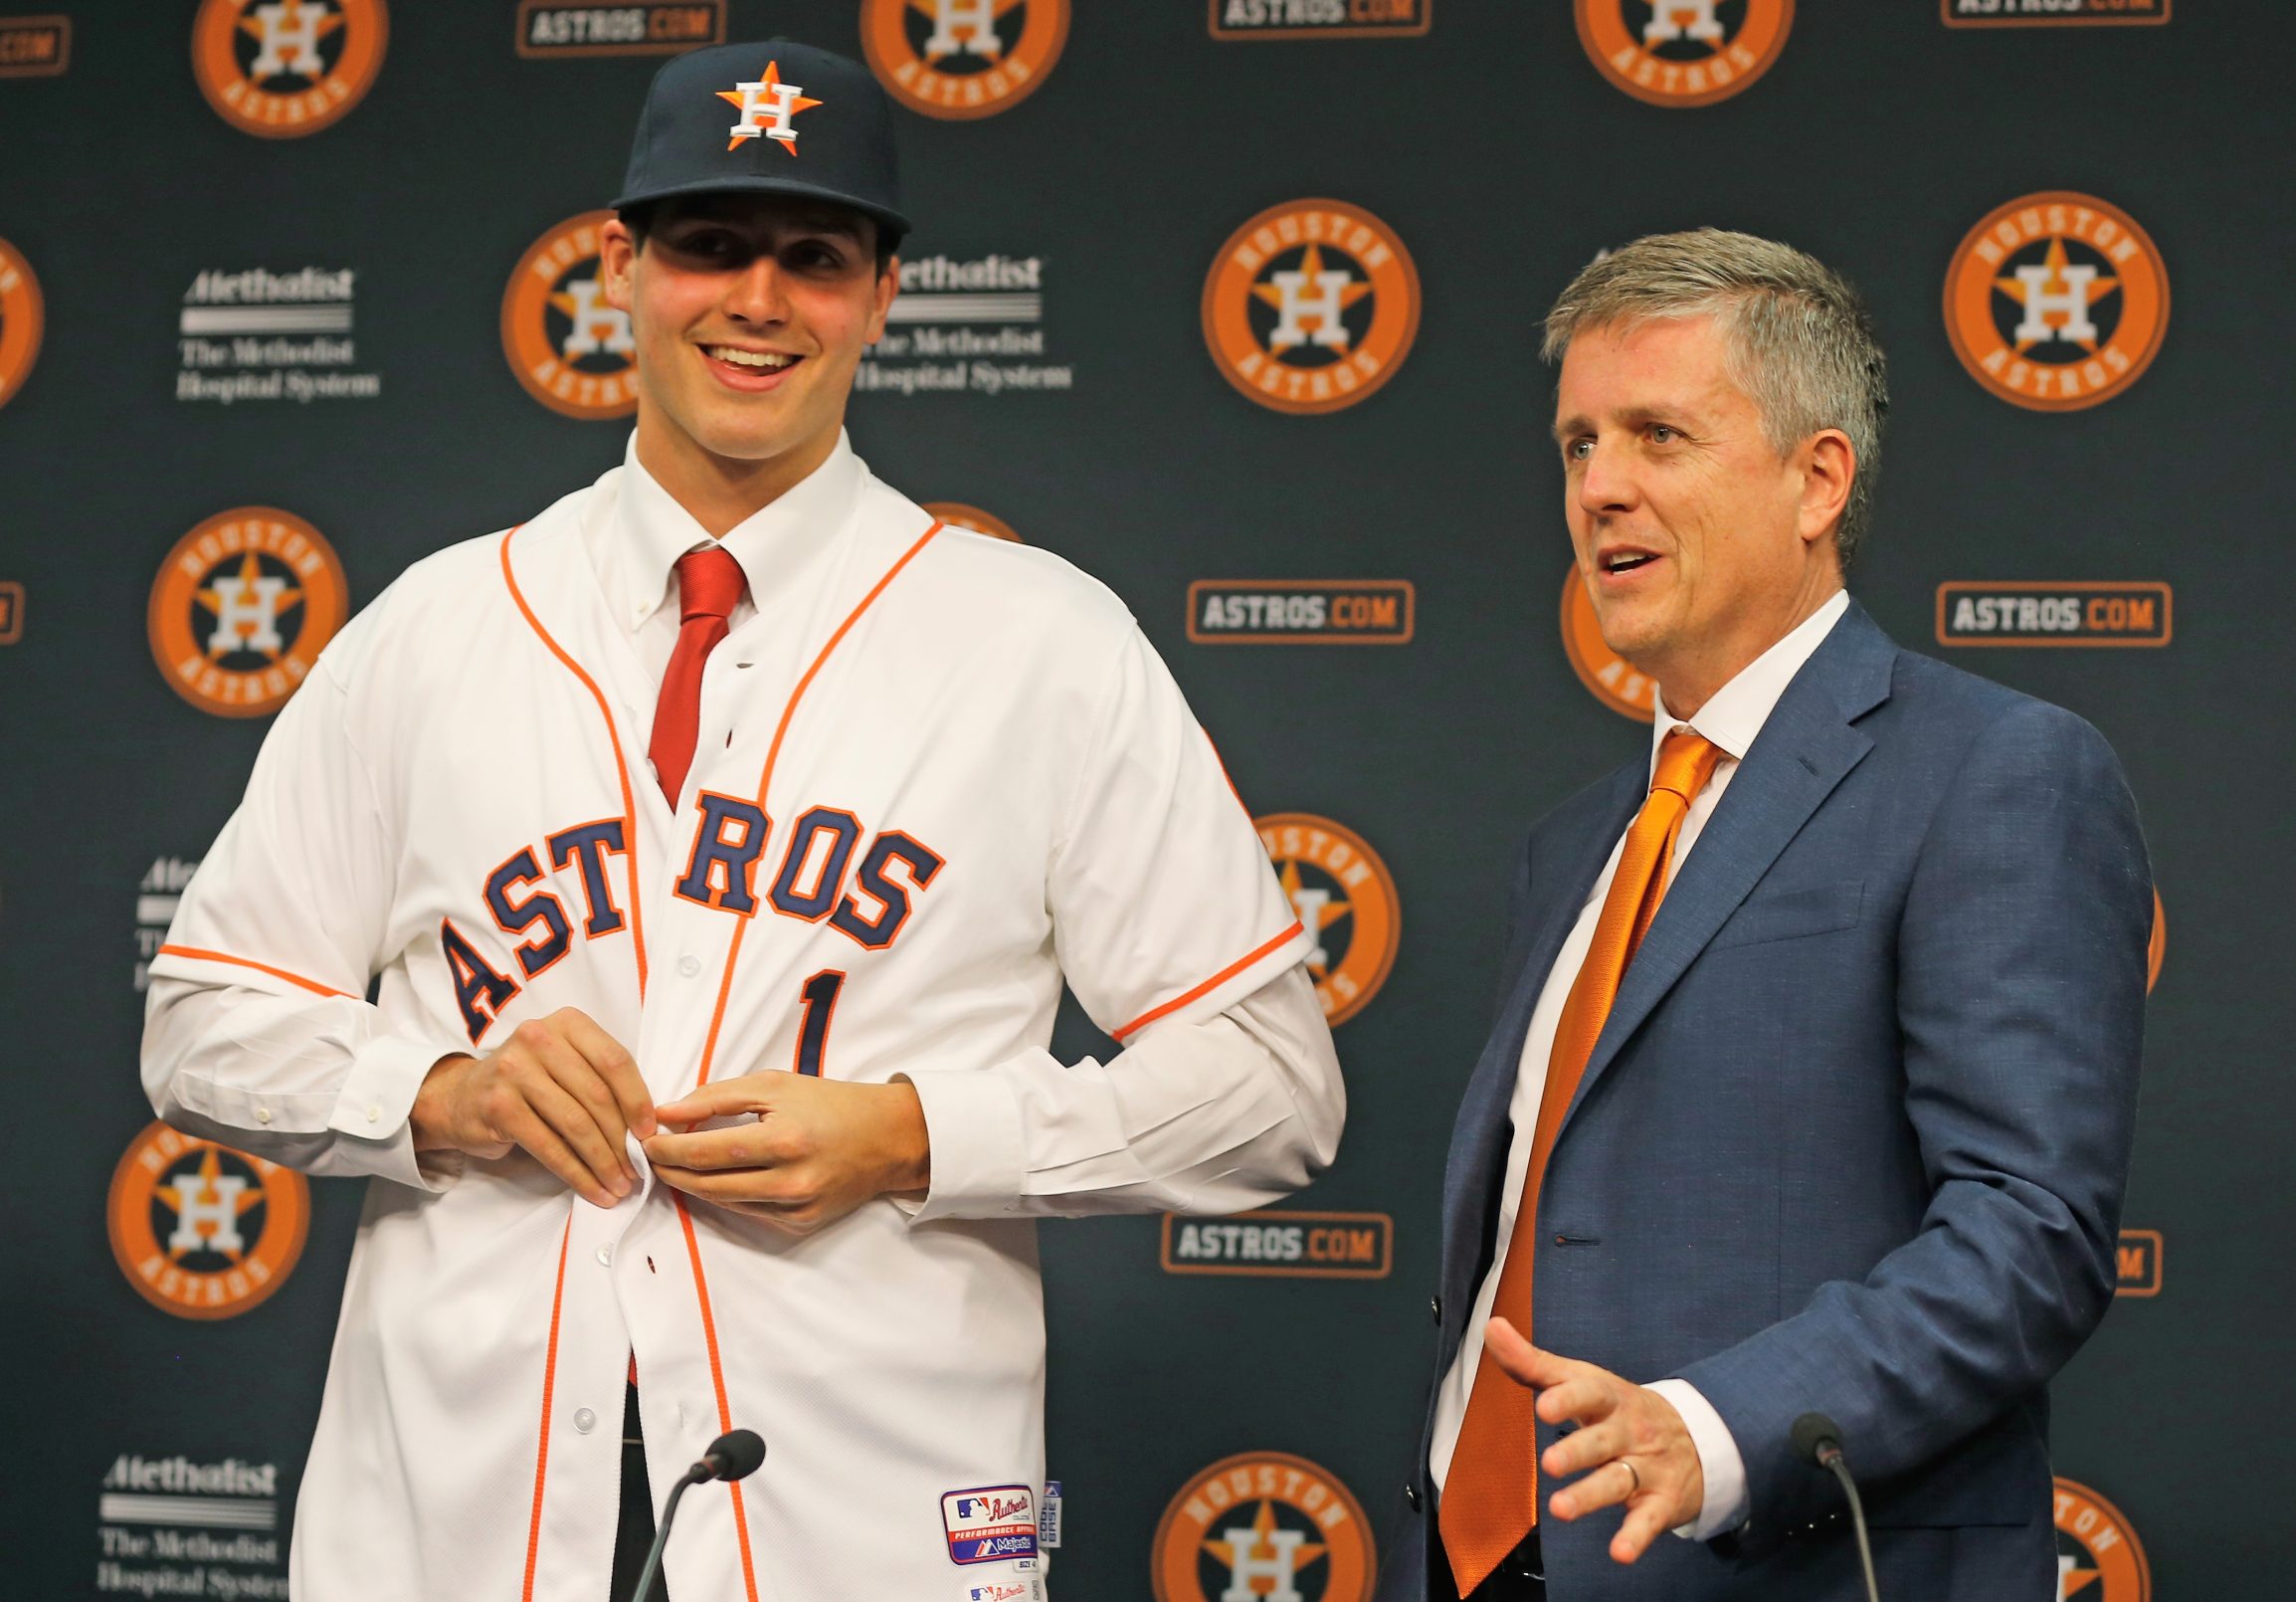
(979, 1155)
(1718, 1460)
(372, 1108)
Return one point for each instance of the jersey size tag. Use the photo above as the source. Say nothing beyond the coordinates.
(990, 1524)
(1049, 1517)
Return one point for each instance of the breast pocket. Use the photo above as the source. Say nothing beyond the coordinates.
(1793, 914)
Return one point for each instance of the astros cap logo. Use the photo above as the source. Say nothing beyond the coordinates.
(1609, 676)
(2098, 1557)
(21, 319)
(200, 1230)
(2056, 302)
(962, 58)
(766, 107)
(571, 350)
(243, 607)
(1311, 305)
(1263, 1524)
(1346, 901)
(959, 516)
(1680, 53)
(280, 68)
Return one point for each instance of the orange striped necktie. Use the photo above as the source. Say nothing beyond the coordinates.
(1491, 1497)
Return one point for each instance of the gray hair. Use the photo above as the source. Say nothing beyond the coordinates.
(1798, 338)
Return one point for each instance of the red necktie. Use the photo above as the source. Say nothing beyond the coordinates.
(1492, 1495)
(709, 581)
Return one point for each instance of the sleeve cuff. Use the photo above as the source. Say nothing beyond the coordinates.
(1718, 1460)
(973, 1124)
(373, 1105)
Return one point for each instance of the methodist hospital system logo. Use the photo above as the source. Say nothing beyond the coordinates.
(1680, 53)
(200, 1230)
(257, 335)
(571, 350)
(1346, 901)
(282, 68)
(21, 319)
(962, 58)
(2056, 302)
(242, 608)
(1265, 1526)
(970, 324)
(2098, 1557)
(1311, 305)
(176, 1526)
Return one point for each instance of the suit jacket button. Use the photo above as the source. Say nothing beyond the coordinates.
(1434, 1305)
(1411, 1496)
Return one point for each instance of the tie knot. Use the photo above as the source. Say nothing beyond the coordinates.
(1686, 762)
(709, 581)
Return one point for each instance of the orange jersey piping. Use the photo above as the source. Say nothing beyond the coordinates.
(261, 967)
(542, 1433)
(1209, 985)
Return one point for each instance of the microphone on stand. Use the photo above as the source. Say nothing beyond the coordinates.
(734, 1455)
(1818, 1440)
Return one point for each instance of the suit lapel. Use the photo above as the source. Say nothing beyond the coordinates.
(1805, 747)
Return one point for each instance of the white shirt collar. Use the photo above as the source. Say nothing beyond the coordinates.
(651, 530)
(1734, 714)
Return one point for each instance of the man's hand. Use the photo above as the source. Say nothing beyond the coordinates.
(818, 1149)
(1630, 1445)
(560, 1087)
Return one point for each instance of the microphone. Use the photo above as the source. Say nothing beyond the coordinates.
(1817, 1440)
(735, 1455)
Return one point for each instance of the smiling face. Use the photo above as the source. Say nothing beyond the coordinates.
(750, 314)
(1699, 545)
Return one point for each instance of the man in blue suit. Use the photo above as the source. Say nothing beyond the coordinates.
(1814, 1081)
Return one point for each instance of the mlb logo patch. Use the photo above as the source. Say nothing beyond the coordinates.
(990, 1524)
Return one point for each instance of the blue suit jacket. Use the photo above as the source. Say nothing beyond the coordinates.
(1853, 1138)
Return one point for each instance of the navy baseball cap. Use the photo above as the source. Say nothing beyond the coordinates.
(776, 119)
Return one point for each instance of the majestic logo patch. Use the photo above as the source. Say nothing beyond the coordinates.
(22, 317)
(1263, 1524)
(766, 107)
(200, 1230)
(2042, 614)
(959, 516)
(2098, 1557)
(1680, 53)
(1346, 901)
(1283, 1244)
(1237, 610)
(35, 47)
(990, 1524)
(1609, 676)
(2056, 302)
(1311, 305)
(547, 29)
(1321, 19)
(282, 68)
(242, 608)
(2044, 13)
(571, 350)
(2139, 1262)
(962, 58)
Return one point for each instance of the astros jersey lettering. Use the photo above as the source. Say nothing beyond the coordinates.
(935, 774)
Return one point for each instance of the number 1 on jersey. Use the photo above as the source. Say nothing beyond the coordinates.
(820, 995)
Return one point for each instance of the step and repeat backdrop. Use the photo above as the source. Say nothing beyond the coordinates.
(1233, 304)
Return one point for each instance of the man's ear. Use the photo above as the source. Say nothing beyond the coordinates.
(888, 284)
(1828, 463)
(618, 250)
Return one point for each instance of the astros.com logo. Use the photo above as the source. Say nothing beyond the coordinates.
(282, 68)
(569, 349)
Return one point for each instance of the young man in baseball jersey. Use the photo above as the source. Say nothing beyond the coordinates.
(718, 842)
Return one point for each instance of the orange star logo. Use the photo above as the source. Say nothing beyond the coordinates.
(2074, 1580)
(766, 99)
(235, 605)
(979, 39)
(1314, 917)
(2057, 285)
(1260, 1554)
(287, 16)
(187, 1193)
(1310, 273)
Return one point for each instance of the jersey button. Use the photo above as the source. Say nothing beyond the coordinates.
(689, 964)
(585, 1421)
(605, 1253)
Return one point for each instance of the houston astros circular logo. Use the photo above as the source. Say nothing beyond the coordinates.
(282, 68)
(1685, 52)
(2098, 1558)
(1346, 901)
(2157, 947)
(2056, 302)
(1311, 305)
(200, 1230)
(962, 58)
(959, 516)
(571, 350)
(1609, 676)
(242, 608)
(1263, 1524)
(21, 316)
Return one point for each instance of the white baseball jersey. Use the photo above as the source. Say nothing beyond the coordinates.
(935, 773)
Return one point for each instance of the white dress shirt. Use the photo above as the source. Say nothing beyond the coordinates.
(1730, 720)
